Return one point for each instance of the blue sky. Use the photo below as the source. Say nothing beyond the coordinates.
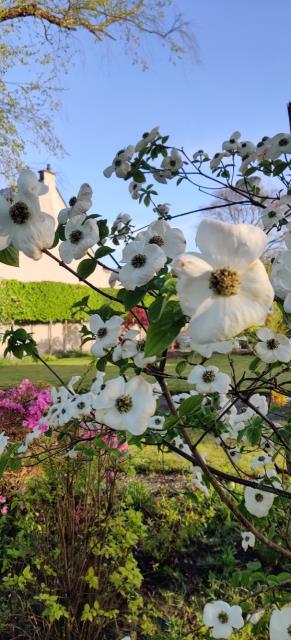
(242, 81)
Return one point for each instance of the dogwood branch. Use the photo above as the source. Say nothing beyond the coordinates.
(217, 486)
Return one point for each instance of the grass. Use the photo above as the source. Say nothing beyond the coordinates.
(13, 371)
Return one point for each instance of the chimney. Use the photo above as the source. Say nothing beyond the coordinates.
(47, 176)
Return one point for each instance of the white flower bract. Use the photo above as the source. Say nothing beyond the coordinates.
(160, 233)
(225, 289)
(248, 540)
(222, 618)
(125, 406)
(273, 346)
(107, 333)
(258, 502)
(81, 235)
(143, 261)
(280, 624)
(209, 379)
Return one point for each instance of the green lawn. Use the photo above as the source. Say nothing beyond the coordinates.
(13, 371)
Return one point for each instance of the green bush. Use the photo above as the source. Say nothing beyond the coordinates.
(28, 302)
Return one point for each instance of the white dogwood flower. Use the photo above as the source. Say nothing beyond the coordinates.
(172, 163)
(206, 350)
(209, 379)
(263, 147)
(280, 623)
(126, 347)
(279, 144)
(22, 223)
(248, 540)
(197, 480)
(247, 158)
(258, 502)
(147, 137)
(78, 205)
(225, 289)
(217, 158)
(222, 618)
(232, 144)
(171, 241)
(126, 406)
(143, 261)
(200, 155)
(273, 346)
(81, 235)
(246, 147)
(271, 216)
(121, 221)
(3, 442)
(162, 210)
(107, 333)
(248, 184)
(254, 618)
(134, 189)
(120, 163)
(139, 359)
(261, 461)
(156, 423)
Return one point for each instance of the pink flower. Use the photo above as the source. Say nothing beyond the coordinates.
(4, 510)
(2, 499)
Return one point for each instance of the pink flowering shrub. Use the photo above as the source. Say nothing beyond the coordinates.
(22, 406)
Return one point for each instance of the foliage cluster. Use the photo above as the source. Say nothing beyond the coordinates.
(28, 302)
(76, 561)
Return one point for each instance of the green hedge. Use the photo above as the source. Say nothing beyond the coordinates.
(28, 302)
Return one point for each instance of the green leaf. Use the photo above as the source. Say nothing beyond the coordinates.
(254, 364)
(4, 459)
(103, 229)
(279, 167)
(181, 366)
(189, 405)
(86, 267)
(10, 256)
(131, 298)
(156, 309)
(103, 251)
(162, 333)
(138, 175)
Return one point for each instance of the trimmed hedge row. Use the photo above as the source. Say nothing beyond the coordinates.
(28, 302)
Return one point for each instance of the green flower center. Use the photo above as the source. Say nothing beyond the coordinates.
(272, 343)
(76, 236)
(172, 163)
(81, 405)
(145, 135)
(272, 214)
(224, 282)
(102, 332)
(208, 376)
(124, 403)
(157, 240)
(223, 617)
(72, 201)
(117, 163)
(289, 630)
(140, 345)
(138, 261)
(259, 497)
(19, 212)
